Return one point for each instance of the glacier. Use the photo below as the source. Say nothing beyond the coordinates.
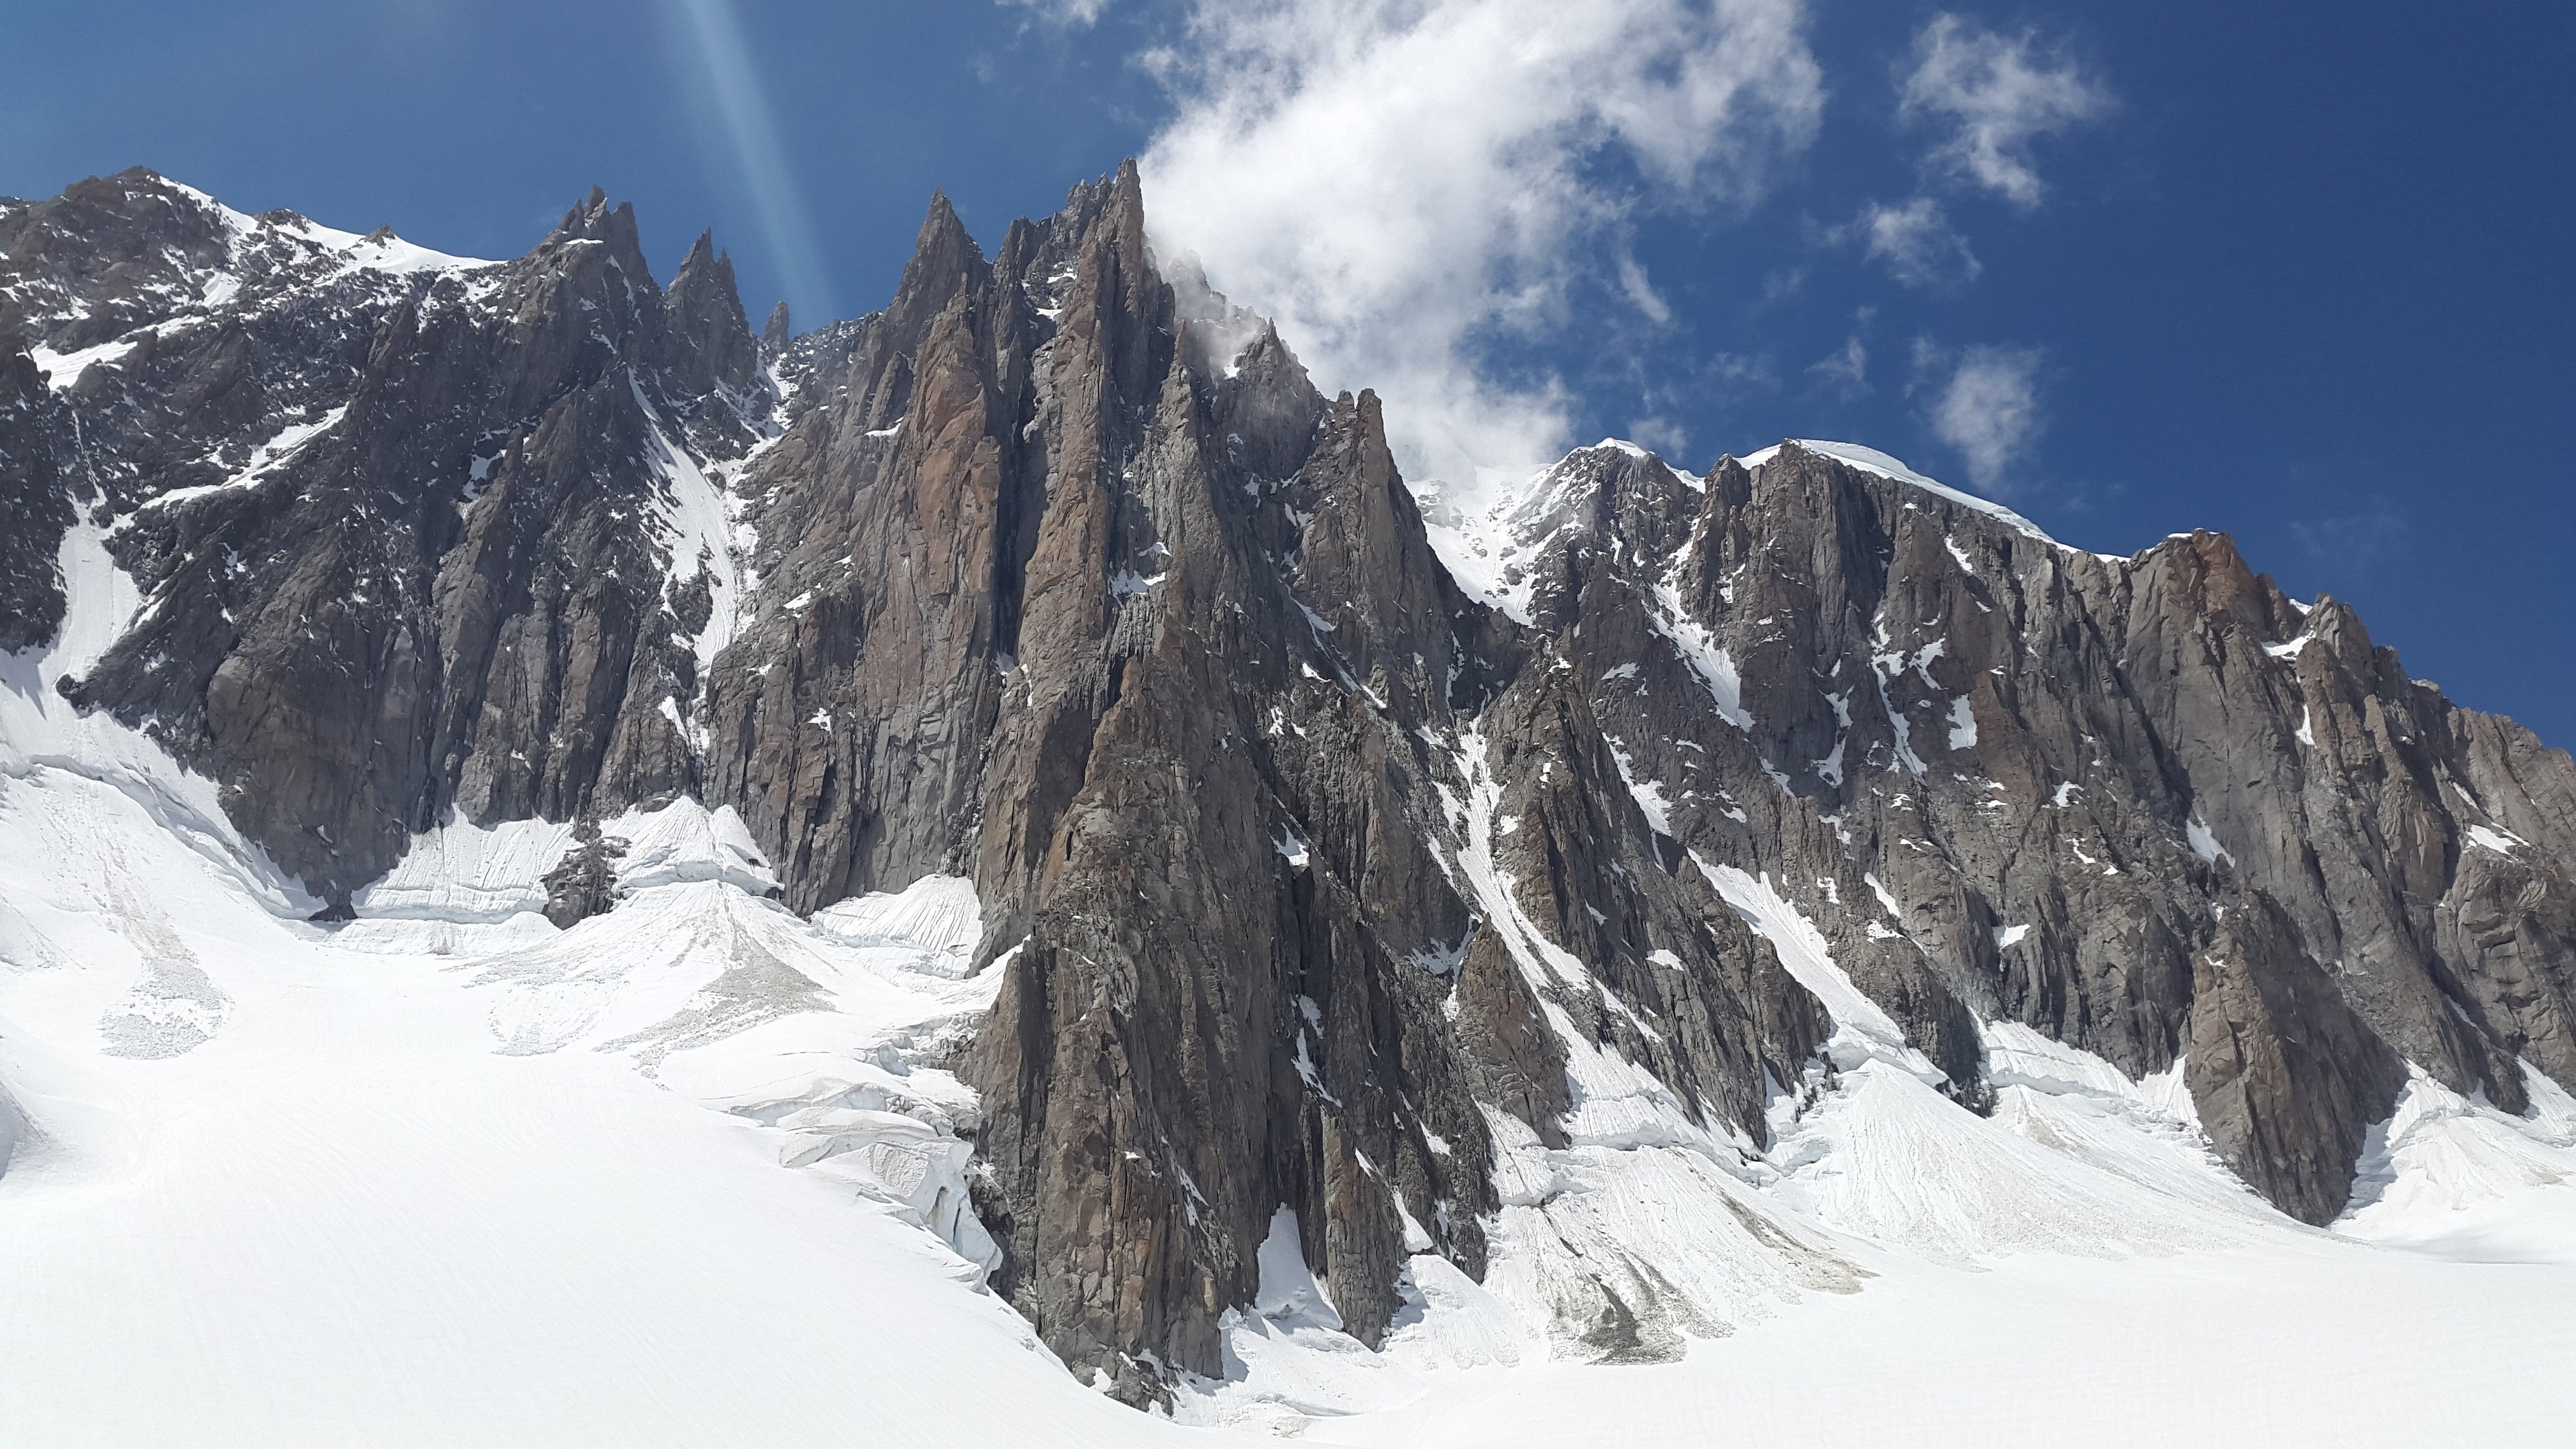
(691, 1172)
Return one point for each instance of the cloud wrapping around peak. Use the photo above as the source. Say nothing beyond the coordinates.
(1412, 187)
(1988, 408)
(1995, 94)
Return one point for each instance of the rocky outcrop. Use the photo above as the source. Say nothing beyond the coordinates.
(1314, 877)
(411, 528)
(2011, 780)
(35, 508)
(2287, 1078)
(710, 343)
(107, 256)
(1148, 638)
(584, 883)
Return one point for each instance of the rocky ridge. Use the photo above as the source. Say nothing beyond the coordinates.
(1335, 855)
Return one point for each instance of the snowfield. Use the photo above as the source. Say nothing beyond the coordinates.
(450, 1176)
(691, 1173)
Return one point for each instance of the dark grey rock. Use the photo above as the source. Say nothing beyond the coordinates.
(584, 883)
(2031, 750)
(35, 508)
(449, 590)
(1061, 575)
(2288, 1079)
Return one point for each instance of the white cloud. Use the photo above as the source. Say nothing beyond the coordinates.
(1733, 376)
(2354, 541)
(1660, 434)
(1988, 408)
(1071, 14)
(1641, 291)
(1995, 94)
(1917, 243)
(1405, 184)
(1846, 369)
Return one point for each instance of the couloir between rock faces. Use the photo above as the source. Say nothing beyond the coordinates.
(1308, 869)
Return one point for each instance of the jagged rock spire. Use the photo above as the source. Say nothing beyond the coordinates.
(704, 308)
(1309, 878)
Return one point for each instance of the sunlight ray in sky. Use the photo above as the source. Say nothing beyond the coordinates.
(785, 229)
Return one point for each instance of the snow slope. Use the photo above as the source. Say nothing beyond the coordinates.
(2291, 1346)
(692, 1173)
(451, 1176)
(356, 1201)
(1887, 466)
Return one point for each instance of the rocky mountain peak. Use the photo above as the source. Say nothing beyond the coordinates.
(1357, 879)
(945, 260)
(706, 317)
(90, 263)
(359, 474)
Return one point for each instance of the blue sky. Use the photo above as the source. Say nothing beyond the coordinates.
(2297, 271)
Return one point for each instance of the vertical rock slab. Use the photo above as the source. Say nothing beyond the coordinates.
(2288, 1080)
(402, 520)
(35, 511)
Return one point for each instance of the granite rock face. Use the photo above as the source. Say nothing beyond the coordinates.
(1094, 598)
(2149, 806)
(584, 883)
(416, 535)
(35, 507)
(1323, 837)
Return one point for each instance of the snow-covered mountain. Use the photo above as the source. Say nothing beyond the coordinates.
(569, 872)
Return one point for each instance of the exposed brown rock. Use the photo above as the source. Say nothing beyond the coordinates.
(2288, 1079)
(1059, 574)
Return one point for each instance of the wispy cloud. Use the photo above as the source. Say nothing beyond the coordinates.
(1986, 405)
(1640, 291)
(1661, 434)
(2353, 543)
(1736, 377)
(1994, 94)
(1408, 184)
(1071, 14)
(743, 106)
(1845, 370)
(1916, 242)
(1724, 385)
